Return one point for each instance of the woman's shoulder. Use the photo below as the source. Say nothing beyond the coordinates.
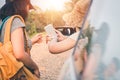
(17, 23)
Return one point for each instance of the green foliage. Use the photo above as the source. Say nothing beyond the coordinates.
(31, 29)
(88, 33)
(36, 21)
(54, 17)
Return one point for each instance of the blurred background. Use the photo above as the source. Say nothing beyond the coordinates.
(46, 12)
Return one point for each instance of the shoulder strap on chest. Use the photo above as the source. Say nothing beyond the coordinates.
(1, 26)
(8, 26)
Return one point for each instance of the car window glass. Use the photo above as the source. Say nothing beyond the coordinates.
(104, 53)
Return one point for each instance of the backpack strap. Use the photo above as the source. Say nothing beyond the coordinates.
(1, 26)
(7, 31)
(27, 49)
(4, 22)
(8, 27)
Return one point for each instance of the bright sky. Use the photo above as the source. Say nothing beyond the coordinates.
(48, 4)
(45, 4)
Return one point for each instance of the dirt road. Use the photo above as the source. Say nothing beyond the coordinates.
(49, 64)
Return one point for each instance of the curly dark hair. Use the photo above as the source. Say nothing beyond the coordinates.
(15, 7)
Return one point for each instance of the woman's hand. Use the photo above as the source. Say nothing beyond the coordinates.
(37, 38)
(60, 35)
(48, 38)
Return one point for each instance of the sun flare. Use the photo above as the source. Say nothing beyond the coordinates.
(55, 4)
(50, 4)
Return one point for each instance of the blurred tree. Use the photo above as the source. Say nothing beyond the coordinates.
(54, 17)
(35, 22)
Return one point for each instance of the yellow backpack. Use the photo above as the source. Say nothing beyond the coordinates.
(9, 66)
